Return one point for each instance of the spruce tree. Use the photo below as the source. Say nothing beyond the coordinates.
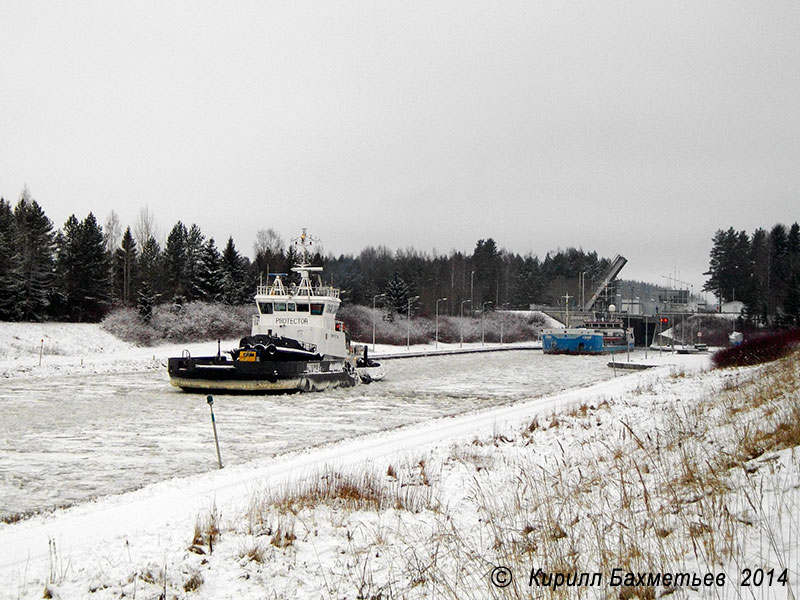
(145, 302)
(151, 271)
(234, 276)
(35, 241)
(729, 265)
(95, 270)
(126, 268)
(779, 267)
(10, 265)
(195, 242)
(757, 291)
(397, 295)
(83, 271)
(210, 273)
(63, 297)
(176, 255)
(792, 303)
(486, 260)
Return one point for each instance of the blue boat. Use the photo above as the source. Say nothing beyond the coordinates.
(593, 337)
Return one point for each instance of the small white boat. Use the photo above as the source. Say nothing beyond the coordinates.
(369, 370)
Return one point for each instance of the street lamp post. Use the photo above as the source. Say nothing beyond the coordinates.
(437, 320)
(483, 321)
(374, 299)
(471, 290)
(408, 314)
(461, 322)
(583, 289)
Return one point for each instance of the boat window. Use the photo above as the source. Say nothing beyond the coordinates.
(290, 307)
(281, 306)
(265, 308)
(302, 307)
(317, 309)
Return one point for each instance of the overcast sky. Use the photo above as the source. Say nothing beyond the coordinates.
(633, 127)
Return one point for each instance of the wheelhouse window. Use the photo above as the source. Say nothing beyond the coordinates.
(317, 308)
(302, 307)
(280, 306)
(265, 308)
(290, 307)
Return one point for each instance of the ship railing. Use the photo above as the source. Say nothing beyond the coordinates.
(271, 290)
(294, 290)
(326, 290)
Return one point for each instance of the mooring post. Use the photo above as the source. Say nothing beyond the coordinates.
(210, 401)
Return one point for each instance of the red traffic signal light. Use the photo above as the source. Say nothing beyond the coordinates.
(664, 320)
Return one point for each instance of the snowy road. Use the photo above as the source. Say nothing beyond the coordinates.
(64, 440)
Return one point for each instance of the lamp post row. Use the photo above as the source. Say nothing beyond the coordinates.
(412, 299)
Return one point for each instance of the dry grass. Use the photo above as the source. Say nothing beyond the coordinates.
(193, 583)
(363, 491)
(678, 480)
(253, 551)
(671, 497)
(206, 532)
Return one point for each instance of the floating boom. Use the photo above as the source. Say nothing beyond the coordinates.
(613, 270)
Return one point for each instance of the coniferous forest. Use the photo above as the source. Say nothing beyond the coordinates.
(761, 270)
(82, 270)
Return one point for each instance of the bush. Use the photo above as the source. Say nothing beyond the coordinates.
(193, 322)
(516, 327)
(200, 322)
(758, 349)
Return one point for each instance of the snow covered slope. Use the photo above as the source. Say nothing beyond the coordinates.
(663, 471)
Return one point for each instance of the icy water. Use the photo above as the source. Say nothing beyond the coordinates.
(66, 440)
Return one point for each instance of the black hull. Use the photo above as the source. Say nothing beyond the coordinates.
(216, 374)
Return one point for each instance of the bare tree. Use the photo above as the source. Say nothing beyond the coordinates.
(146, 227)
(112, 232)
(268, 243)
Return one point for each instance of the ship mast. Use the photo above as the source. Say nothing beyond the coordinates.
(305, 241)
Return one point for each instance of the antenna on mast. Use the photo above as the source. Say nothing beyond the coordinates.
(305, 241)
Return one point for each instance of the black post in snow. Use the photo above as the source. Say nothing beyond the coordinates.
(210, 401)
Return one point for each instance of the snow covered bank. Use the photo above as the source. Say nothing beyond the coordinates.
(134, 532)
(140, 541)
(669, 471)
(47, 349)
(663, 475)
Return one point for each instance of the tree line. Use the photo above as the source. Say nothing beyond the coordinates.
(461, 282)
(79, 272)
(762, 270)
(82, 270)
